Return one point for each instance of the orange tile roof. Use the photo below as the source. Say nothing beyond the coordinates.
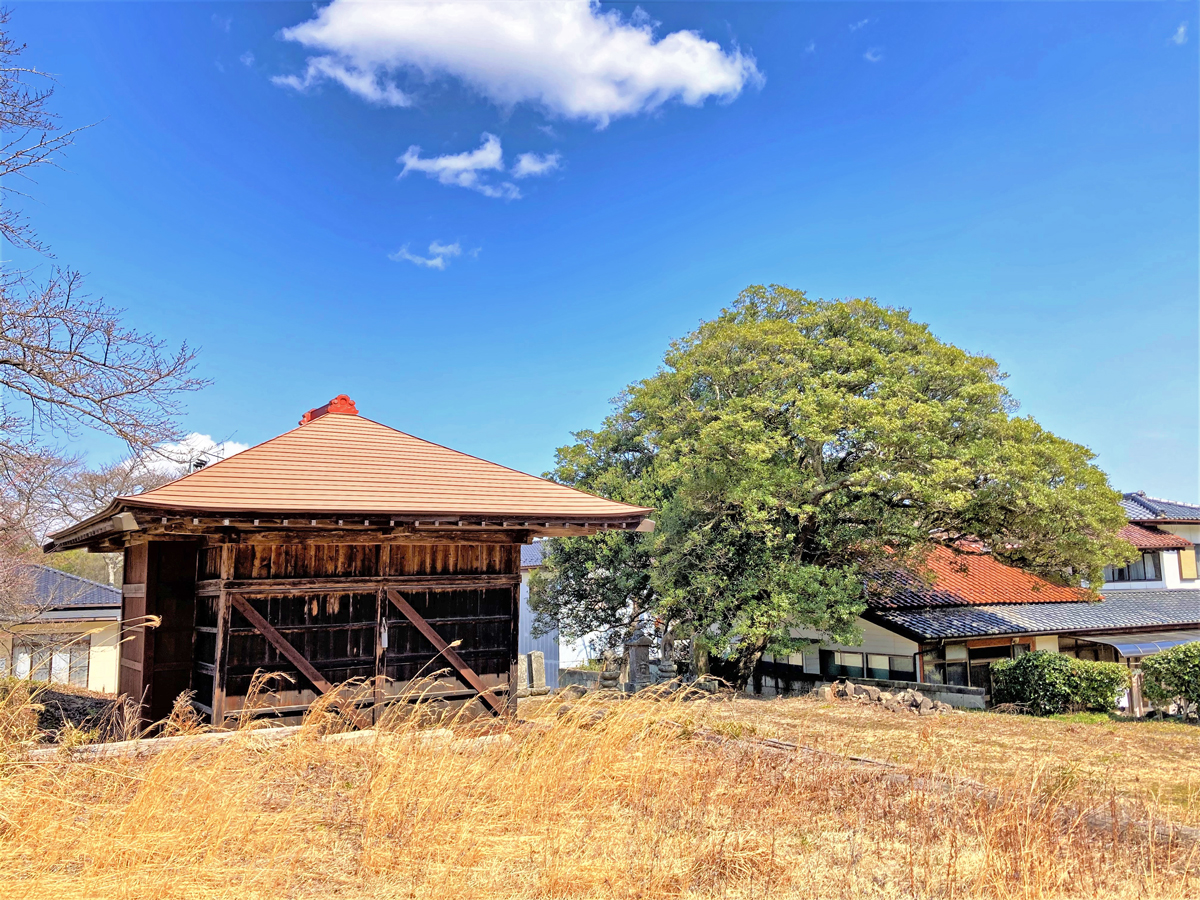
(965, 579)
(1152, 539)
(340, 462)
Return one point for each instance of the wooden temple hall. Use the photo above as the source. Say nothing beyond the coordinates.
(342, 549)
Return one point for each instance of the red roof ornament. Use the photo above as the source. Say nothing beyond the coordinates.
(341, 404)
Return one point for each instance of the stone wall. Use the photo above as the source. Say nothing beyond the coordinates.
(795, 685)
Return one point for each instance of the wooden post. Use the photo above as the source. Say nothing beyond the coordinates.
(381, 607)
(220, 661)
(514, 643)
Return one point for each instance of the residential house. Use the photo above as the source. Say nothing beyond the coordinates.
(71, 635)
(1167, 533)
(947, 625)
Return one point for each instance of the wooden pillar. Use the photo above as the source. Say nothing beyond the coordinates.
(136, 653)
(514, 642)
(221, 659)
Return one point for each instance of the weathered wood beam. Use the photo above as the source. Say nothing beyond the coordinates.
(350, 584)
(280, 643)
(431, 635)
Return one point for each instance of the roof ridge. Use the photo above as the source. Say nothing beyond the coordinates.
(1172, 502)
(61, 573)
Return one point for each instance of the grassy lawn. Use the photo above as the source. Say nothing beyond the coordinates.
(1147, 761)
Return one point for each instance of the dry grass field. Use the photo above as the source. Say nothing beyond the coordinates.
(1153, 763)
(635, 798)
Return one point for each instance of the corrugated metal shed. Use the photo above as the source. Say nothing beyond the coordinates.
(531, 557)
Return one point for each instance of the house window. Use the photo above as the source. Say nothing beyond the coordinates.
(891, 668)
(57, 658)
(1146, 567)
(939, 671)
(841, 664)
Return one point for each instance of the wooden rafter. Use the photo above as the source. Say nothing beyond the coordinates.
(465, 671)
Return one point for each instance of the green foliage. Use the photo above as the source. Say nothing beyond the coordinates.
(1050, 683)
(82, 563)
(1173, 675)
(791, 445)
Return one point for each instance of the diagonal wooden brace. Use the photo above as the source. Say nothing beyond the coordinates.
(280, 643)
(466, 672)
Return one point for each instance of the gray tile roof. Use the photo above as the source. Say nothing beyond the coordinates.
(532, 555)
(1118, 610)
(53, 589)
(1140, 508)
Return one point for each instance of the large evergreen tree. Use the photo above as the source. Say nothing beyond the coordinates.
(791, 445)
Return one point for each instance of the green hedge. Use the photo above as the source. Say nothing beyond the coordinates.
(1047, 683)
(1173, 676)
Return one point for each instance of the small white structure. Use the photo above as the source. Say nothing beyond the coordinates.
(547, 644)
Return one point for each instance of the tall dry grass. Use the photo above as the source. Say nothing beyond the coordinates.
(627, 798)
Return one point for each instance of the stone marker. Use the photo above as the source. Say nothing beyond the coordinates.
(610, 673)
(522, 675)
(639, 662)
(537, 680)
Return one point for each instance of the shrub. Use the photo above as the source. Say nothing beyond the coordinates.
(1173, 676)
(1048, 683)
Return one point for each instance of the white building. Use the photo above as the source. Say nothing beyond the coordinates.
(70, 638)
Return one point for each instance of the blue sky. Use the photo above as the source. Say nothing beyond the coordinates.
(1022, 176)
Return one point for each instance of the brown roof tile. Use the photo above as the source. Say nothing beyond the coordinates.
(965, 579)
(340, 462)
(1152, 539)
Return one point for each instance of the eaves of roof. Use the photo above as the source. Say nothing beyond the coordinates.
(1118, 611)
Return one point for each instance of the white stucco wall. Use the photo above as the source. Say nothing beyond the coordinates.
(874, 640)
(103, 658)
(103, 661)
(1047, 642)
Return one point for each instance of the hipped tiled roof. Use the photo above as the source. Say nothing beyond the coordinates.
(1140, 508)
(964, 579)
(1152, 538)
(53, 589)
(532, 555)
(343, 463)
(1118, 610)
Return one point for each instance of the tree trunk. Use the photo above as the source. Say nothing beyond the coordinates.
(746, 661)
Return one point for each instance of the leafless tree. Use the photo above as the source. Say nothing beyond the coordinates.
(67, 361)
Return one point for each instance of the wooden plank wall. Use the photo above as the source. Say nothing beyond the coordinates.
(327, 600)
(156, 663)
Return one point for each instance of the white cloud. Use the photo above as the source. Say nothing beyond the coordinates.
(861, 23)
(811, 47)
(196, 447)
(222, 22)
(462, 169)
(438, 254)
(1180, 35)
(570, 58)
(873, 55)
(367, 85)
(247, 58)
(548, 130)
(535, 164)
